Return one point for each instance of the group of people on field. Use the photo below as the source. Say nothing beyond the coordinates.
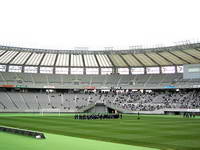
(97, 116)
(189, 115)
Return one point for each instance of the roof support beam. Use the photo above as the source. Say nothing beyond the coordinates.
(3, 53)
(42, 59)
(191, 55)
(97, 63)
(55, 60)
(69, 70)
(152, 60)
(145, 69)
(179, 57)
(129, 67)
(13, 58)
(124, 60)
(111, 60)
(83, 60)
(40, 63)
(138, 60)
(54, 65)
(114, 67)
(84, 69)
(97, 60)
(166, 59)
(27, 59)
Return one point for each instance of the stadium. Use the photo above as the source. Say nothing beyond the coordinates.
(156, 90)
(99, 75)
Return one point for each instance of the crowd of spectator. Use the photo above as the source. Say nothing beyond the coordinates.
(132, 100)
(148, 100)
(154, 100)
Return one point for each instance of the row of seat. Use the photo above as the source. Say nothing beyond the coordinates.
(133, 101)
(96, 80)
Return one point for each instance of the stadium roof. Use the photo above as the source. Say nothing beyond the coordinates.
(161, 56)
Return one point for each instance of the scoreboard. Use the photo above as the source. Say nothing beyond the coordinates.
(191, 71)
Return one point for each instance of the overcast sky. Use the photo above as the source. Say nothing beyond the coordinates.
(65, 24)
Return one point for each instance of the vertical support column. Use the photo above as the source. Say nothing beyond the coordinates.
(145, 70)
(84, 69)
(26, 61)
(99, 70)
(176, 69)
(129, 71)
(160, 69)
(7, 68)
(69, 70)
(22, 68)
(40, 63)
(114, 70)
(38, 69)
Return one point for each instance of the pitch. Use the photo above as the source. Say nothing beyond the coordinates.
(151, 131)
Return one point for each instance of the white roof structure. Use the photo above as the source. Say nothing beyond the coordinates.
(8, 56)
(166, 56)
(76, 60)
(21, 58)
(90, 61)
(104, 61)
(62, 60)
(35, 59)
(48, 60)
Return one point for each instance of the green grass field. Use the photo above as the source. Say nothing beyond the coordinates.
(151, 131)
